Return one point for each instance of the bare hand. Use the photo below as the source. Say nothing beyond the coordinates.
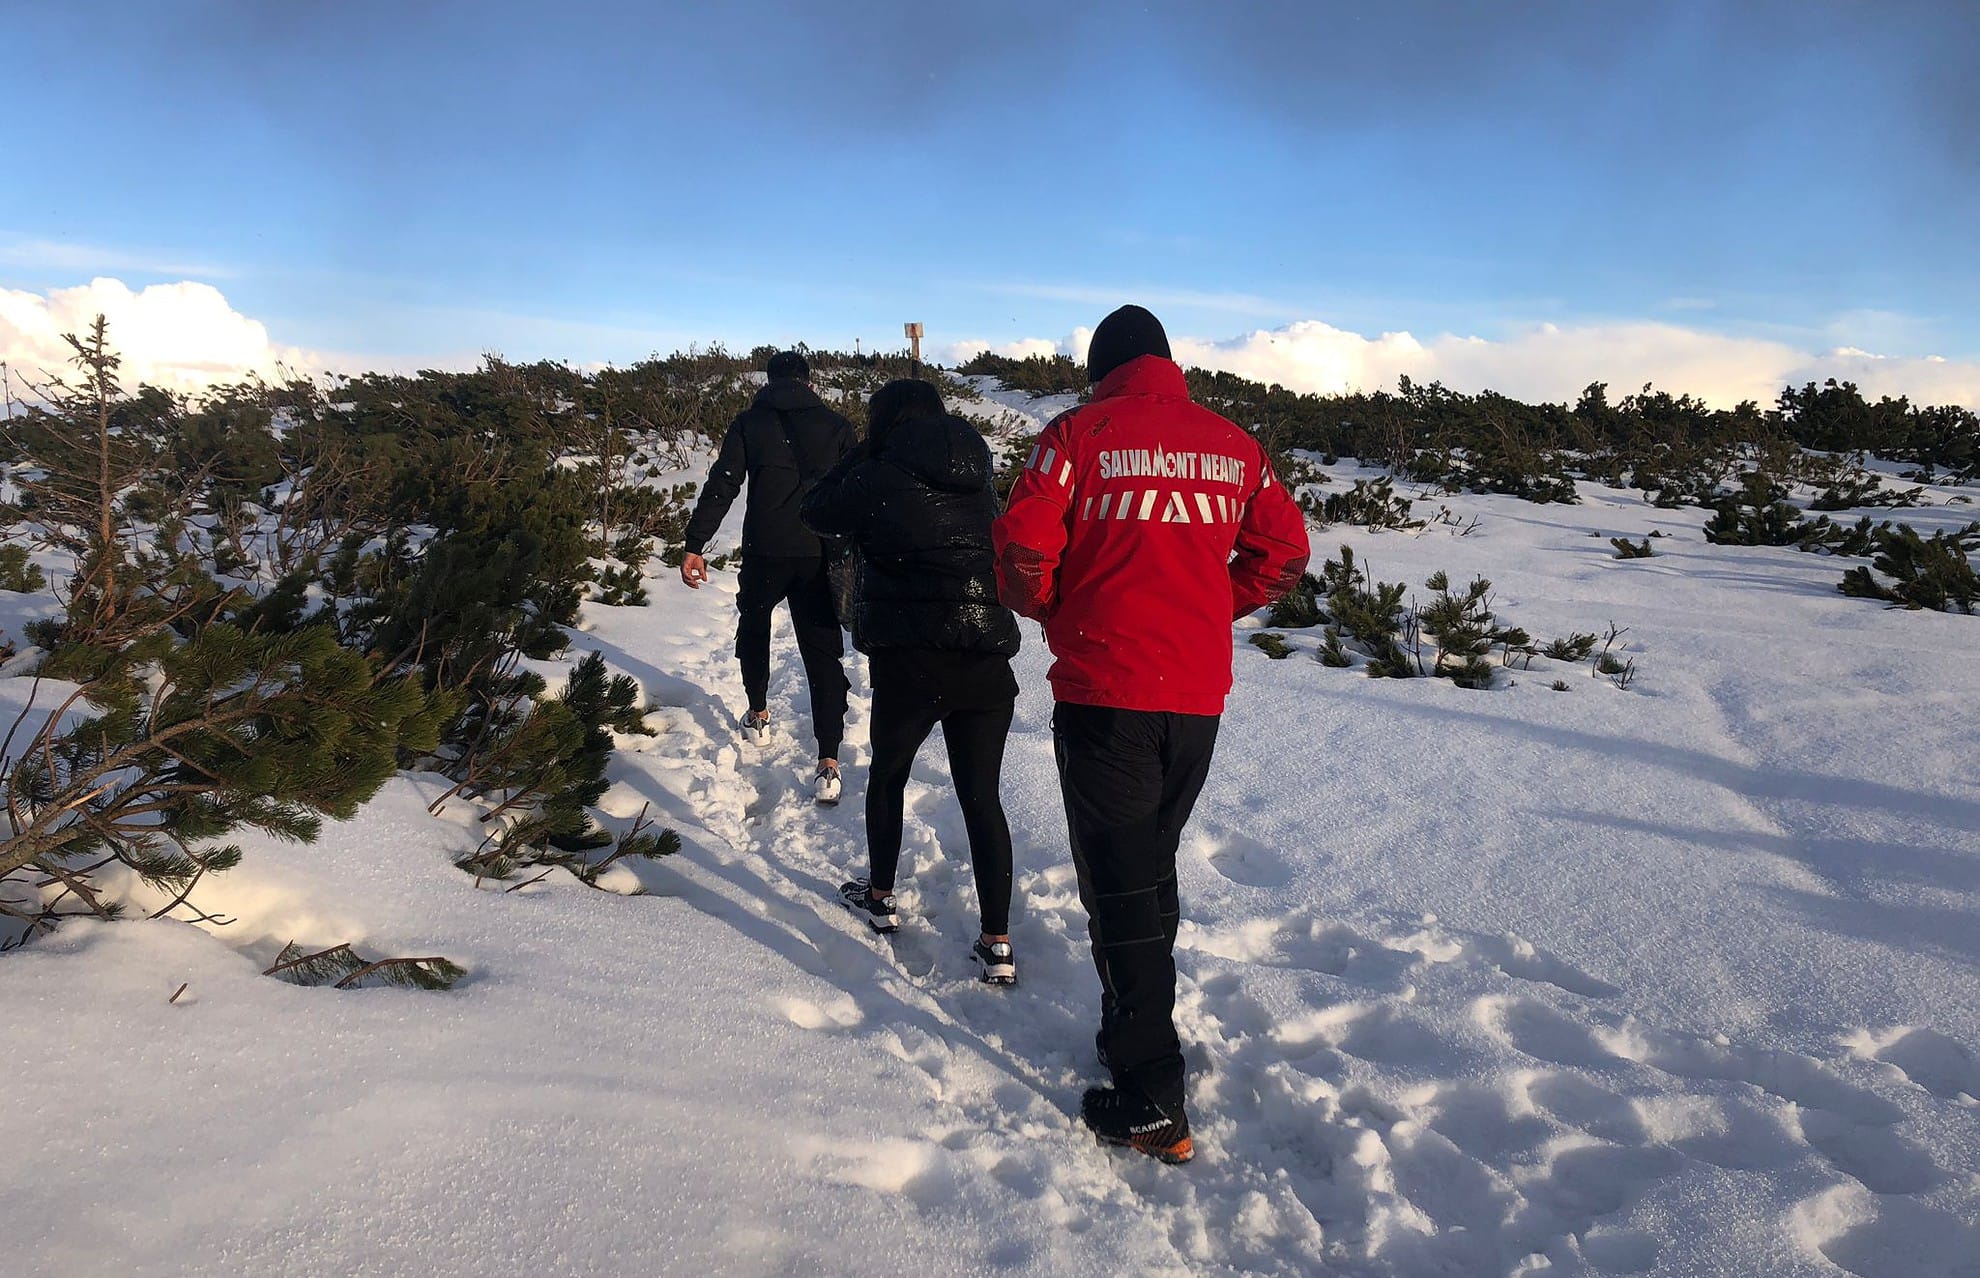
(694, 571)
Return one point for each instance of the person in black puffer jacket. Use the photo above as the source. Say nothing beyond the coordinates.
(780, 444)
(915, 501)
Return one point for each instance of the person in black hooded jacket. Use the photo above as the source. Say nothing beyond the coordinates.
(915, 500)
(781, 443)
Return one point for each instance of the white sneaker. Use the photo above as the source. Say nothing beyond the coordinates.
(825, 785)
(754, 730)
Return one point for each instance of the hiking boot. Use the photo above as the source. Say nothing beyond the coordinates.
(858, 896)
(995, 959)
(825, 786)
(1132, 1120)
(754, 727)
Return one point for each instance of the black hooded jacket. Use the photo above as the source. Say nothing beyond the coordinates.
(757, 448)
(918, 507)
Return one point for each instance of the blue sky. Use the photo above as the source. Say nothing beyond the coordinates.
(596, 181)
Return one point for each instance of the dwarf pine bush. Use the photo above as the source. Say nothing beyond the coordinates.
(1910, 571)
(227, 730)
(1369, 504)
(1759, 514)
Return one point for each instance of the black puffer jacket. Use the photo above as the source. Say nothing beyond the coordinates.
(918, 508)
(756, 449)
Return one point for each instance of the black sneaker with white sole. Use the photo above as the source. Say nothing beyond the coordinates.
(858, 896)
(995, 959)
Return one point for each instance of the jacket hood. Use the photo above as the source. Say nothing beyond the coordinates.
(1145, 375)
(945, 452)
(786, 395)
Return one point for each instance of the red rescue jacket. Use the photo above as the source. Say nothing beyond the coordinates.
(1140, 527)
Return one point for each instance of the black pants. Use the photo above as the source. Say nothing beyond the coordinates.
(903, 716)
(1130, 779)
(764, 584)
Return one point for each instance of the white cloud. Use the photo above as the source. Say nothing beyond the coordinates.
(1550, 362)
(964, 351)
(180, 336)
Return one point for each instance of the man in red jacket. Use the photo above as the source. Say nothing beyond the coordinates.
(1141, 526)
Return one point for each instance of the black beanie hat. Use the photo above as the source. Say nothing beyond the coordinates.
(788, 364)
(899, 401)
(1126, 334)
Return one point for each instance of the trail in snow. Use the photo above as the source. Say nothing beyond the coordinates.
(1375, 1092)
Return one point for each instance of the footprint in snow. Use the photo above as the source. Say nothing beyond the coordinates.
(1538, 1030)
(832, 1015)
(1885, 1162)
(1882, 1237)
(1926, 1058)
(1243, 860)
(1788, 1075)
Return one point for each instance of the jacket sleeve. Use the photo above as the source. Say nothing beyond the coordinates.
(1030, 536)
(725, 481)
(839, 503)
(1272, 546)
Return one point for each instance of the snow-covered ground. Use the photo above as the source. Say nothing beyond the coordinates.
(1682, 979)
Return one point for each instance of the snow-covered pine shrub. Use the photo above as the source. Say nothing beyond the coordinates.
(621, 587)
(342, 967)
(602, 704)
(1944, 439)
(1835, 417)
(1300, 607)
(1933, 572)
(1576, 647)
(191, 741)
(1676, 489)
(1466, 631)
(1759, 514)
(1462, 626)
(1036, 374)
(1627, 549)
(541, 765)
(623, 584)
(1369, 504)
(1273, 646)
(1824, 536)
(1861, 488)
(663, 515)
(1332, 652)
(1372, 614)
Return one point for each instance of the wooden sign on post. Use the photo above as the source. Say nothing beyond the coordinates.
(914, 341)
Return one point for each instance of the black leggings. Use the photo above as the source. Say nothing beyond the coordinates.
(975, 738)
